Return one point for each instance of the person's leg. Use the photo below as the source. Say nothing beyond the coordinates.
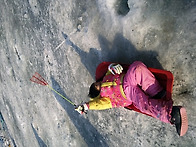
(138, 74)
(138, 84)
(160, 109)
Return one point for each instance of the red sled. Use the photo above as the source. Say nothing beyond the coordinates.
(164, 77)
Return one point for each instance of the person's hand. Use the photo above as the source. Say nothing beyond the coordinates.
(115, 69)
(82, 108)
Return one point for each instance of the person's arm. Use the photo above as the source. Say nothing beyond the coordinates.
(100, 103)
(95, 104)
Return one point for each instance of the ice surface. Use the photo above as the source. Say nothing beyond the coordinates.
(162, 34)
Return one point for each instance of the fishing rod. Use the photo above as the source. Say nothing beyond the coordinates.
(37, 78)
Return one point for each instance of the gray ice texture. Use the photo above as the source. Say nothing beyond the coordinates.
(64, 41)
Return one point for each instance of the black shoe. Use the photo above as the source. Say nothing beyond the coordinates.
(179, 119)
(160, 94)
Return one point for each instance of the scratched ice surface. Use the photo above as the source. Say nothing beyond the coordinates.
(64, 41)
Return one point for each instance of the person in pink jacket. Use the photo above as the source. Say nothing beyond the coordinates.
(138, 86)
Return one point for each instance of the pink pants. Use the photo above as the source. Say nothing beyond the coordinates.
(139, 86)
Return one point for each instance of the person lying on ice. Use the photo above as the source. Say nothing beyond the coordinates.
(138, 87)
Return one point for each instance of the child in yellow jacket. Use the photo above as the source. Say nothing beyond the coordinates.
(139, 87)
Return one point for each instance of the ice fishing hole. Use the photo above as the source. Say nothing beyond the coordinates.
(122, 7)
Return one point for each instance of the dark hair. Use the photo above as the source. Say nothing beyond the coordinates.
(93, 92)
